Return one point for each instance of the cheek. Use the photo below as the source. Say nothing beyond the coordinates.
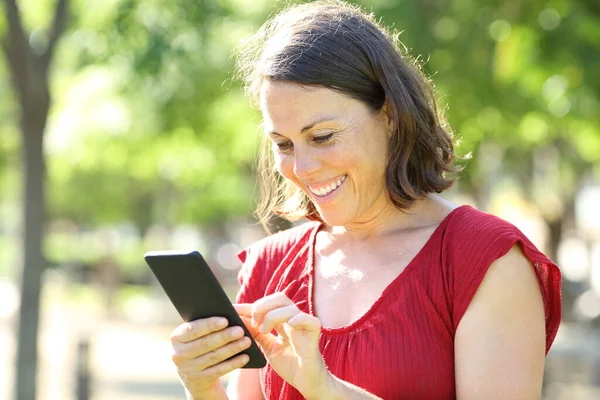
(284, 165)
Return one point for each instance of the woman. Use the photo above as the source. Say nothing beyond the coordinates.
(389, 291)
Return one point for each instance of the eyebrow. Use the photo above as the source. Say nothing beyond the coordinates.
(311, 125)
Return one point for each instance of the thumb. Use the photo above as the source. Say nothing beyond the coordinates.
(254, 331)
(267, 341)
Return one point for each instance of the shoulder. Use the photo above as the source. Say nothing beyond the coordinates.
(486, 259)
(471, 222)
(281, 242)
(471, 234)
(262, 261)
(474, 236)
(268, 253)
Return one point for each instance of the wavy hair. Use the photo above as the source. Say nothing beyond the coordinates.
(336, 45)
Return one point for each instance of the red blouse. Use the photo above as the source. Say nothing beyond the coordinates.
(403, 346)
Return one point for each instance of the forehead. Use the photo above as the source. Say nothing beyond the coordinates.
(271, 88)
(286, 105)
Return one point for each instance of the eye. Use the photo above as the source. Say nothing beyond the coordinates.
(283, 146)
(323, 138)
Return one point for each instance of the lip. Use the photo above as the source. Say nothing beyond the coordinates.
(324, 183)
(329, 196)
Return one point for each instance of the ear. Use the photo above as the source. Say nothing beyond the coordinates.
(388, 114)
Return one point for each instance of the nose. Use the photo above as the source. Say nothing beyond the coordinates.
(306, 162)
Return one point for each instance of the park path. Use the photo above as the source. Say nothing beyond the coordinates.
(127, 360)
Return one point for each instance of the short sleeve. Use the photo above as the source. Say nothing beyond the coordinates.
(481, 240)
(262, 262)
(250, 276)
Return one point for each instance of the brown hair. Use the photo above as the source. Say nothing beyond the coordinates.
(335, 45)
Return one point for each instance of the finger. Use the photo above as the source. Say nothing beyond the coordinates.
(266, 341)
(190, 331)
(262, 306)
(278, 316)
(221, 354)
(306, 322)
(192, 373)
(254, 331)
(205, 344)
(225, 367)
(243, 309)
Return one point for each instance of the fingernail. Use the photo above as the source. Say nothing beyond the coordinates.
(253, 322)
(222, 322)
(237, 332)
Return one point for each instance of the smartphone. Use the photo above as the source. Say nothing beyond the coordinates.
(196, 293)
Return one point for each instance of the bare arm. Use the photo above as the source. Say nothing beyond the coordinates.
(244, 384)
(338, 389)
(500, 341)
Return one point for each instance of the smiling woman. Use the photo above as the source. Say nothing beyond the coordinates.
(343, 49)
(389, 290)
(329, 146)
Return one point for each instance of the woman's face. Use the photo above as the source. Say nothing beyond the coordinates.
(333, 147)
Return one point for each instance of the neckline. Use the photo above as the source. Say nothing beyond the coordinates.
(357, 324)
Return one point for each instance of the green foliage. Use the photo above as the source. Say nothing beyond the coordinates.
(520, 75)
(147, 126)
(152, 128)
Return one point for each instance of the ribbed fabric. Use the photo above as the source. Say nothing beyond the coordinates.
(403, 347)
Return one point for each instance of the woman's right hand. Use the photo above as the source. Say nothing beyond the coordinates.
(201, 350)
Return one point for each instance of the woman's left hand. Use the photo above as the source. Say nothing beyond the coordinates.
(294, 353)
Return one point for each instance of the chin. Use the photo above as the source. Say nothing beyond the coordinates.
(333, 218)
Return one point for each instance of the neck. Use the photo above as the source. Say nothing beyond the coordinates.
(388, 219)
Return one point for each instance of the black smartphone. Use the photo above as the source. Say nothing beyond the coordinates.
(196, 293)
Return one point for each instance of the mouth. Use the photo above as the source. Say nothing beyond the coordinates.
(322, 191)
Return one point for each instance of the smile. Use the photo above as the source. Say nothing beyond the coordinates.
(325, 190)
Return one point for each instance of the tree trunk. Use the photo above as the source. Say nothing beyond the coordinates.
(34, 167)
(29, 75)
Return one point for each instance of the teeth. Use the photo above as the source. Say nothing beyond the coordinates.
(328, 189)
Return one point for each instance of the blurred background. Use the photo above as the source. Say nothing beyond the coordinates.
(122, 131)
